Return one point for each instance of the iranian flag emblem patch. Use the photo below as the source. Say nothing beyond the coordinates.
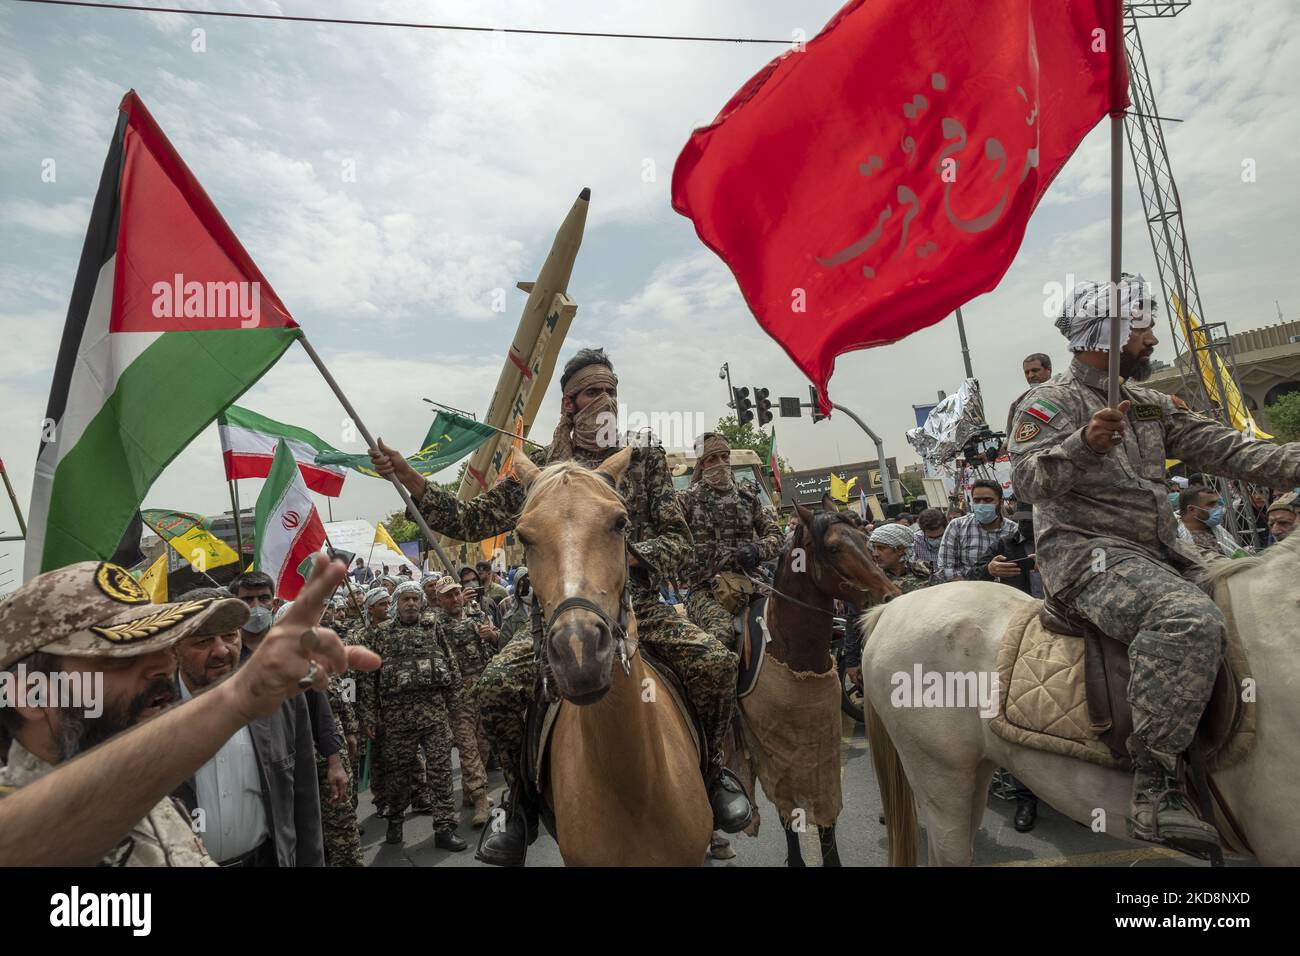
(1043, 410)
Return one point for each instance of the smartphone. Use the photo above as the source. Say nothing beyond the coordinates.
(1024, 564)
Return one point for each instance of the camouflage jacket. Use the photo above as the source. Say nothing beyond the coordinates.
(912, 576)
(163, 838)
(418, 678)
(341, 699)
(472, 652)
(1092, 509)
(518, 621)
(656, 530)
(720, 520)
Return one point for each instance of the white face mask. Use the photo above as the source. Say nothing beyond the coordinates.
(259, 621)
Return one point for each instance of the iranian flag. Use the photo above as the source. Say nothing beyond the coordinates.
(170, 321)
(289, 529)
(248, 442)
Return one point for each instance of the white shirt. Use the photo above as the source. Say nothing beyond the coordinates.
(229, 792)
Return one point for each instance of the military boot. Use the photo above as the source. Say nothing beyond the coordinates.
(508, 846)
(1161, 812)
(448, 840)
(394, 830)
(482, 807)
(731, 809)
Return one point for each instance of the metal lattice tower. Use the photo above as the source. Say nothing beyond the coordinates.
(1164, 216)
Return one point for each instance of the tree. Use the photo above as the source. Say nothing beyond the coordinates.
(401, 527)
(453, 486)
(749, 436)
(1284, 417)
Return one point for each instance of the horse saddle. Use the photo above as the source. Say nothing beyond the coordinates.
(750, 628)
(543, 710)
(1106, 671)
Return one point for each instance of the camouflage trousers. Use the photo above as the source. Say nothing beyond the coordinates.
(1175, 636)
(705, 667)
(339, 821)
(470, 740)
(704, 611)
(401, 766)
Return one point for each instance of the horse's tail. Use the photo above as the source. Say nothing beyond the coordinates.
(895, 790)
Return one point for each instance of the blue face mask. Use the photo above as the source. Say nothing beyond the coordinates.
(1215, 517)
(1173, 500)
(984, 513)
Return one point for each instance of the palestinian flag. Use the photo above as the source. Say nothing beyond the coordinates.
(248, 443)
(170, 321)
(289, 529)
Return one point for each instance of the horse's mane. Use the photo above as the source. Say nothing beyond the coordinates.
(563, 472)
(1287, 550)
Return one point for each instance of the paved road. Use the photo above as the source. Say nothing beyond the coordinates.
(1055, 841)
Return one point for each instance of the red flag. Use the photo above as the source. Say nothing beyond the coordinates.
(864, 187)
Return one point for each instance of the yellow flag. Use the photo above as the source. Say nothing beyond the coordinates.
(1207, 363)
(383, 537)
(154, 580)
(840, 488)
(202, 549)
(489, 546)
(516, 445)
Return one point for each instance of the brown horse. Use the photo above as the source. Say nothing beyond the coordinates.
(791, 720)
(623, 778)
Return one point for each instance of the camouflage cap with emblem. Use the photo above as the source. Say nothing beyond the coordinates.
(96, 609)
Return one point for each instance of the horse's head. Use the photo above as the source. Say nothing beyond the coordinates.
(572, 528)
(839, 558)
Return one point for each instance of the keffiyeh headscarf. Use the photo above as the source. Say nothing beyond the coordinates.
(583, 428)
(720, 476)
(1086, 318)
(895, 536)
(375, 595)
(407, 587)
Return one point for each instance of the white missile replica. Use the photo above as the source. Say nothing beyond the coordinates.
(531, 360)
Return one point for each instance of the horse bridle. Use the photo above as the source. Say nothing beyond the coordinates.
(617, 627)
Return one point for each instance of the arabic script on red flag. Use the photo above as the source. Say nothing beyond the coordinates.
(864, 186)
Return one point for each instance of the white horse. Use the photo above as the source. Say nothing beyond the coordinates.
(947, 755)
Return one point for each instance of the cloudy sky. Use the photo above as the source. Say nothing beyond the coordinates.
(470, 148)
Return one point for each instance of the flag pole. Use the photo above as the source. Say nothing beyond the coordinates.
(1116, 217)
(13, 498)
(239, 522)
(370, 443)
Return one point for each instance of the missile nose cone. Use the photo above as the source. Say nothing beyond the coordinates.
(585, 195)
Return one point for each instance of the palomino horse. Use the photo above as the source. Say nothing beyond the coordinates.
(791, 719)
(946, 755)
(624, 773)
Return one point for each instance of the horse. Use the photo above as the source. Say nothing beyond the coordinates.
(945, 756)
(623, 776)
(791, 720)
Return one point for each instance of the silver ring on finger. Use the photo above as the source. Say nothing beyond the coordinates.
(310, 677)
(1117, 436)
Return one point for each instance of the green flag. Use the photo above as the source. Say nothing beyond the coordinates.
(451, 438)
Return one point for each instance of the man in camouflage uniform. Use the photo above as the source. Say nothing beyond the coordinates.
(92, 618)
(472, 638)
(732, 531)
(339, 818)
(1107, 540)
(892, 545)
(409, 703)
(520, 619)
(658, 542)
(364, 631)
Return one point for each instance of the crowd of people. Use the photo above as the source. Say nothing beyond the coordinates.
(285, 706)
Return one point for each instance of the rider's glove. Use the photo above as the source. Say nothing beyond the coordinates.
(747, 556)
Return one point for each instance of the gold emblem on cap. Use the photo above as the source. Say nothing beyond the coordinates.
(146, 627)
(118, 584)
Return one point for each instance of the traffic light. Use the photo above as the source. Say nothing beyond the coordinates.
(764, 405)
(744, 407)
(812, 396)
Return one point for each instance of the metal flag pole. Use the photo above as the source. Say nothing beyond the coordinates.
(13, 498)
(1116, 223)
(239, 521)
(965, 350)
(370, 443)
